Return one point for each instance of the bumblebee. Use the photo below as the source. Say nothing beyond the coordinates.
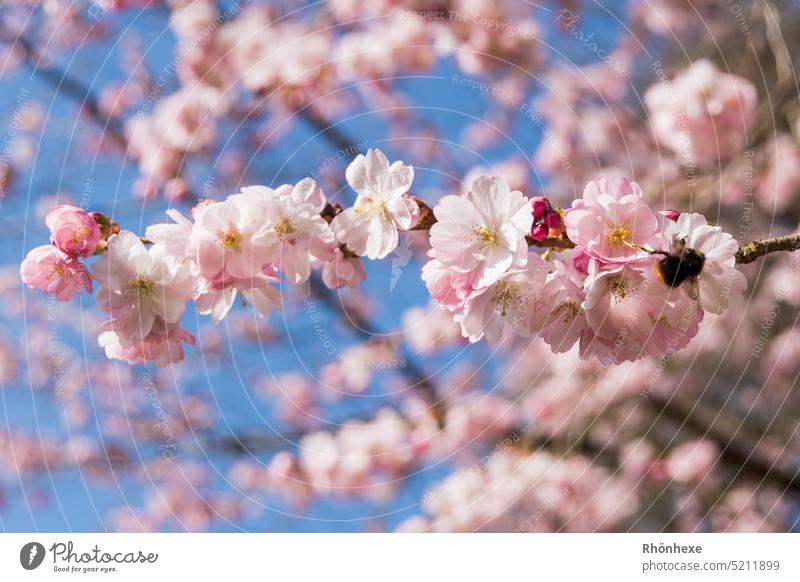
(682, 265)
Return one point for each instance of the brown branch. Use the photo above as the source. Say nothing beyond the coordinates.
(749, 252)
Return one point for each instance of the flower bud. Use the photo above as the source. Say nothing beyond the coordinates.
(72, 230)
(541, 206)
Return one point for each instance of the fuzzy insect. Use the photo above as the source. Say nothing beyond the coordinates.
(682, 265)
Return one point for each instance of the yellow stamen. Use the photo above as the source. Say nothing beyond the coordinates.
(230, 239)
(569, 308)
(488, 237)
(620, 289)
(617, 234)
(55, 271)
(143, 286)
(375, 208)
(505, 294)
(284, 227)
(80, 234)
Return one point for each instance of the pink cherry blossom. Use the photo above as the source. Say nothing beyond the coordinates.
(291, 216)
(447, 287)
(72, 230)
(343, 271)
(370, 228)
(229, 241)
(163, 345)
(623, 299)
(139, 286)
(703, 114)
(482, 233)
(216, 298)
(720, 283)
(612, 221)
(50, 270)
(564, 294)
(173, 236)
(512, 302)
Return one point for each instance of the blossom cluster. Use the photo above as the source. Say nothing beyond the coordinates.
(609, 294)
(240, 246)
(602, 285)
(57, 268)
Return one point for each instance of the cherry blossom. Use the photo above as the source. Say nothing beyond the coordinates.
(73, 231)
(483, 232)
(138, 286)
(703, 114)
(163, 345)
(50, 270)
(343, 271)
(518, 361)
(564, 293)
(228, 241)
(612, 221)
(511, 302)
(216, 298)
(292, 217)
(719, 282)
(370, 228)
(449, 288)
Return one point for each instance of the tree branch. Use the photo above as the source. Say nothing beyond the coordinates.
(749, 252)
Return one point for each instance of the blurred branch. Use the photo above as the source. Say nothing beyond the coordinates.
(63, 83)
(752, 459)
(366, 329)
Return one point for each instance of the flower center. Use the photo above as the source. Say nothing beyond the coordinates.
(284, 227)
(487, 237)
(80, 234)
(56, 271)
(620, 288)
(230, 239)
(569, 308)
(373, 208)
(505, 295)
(143, 286)
(617, 234)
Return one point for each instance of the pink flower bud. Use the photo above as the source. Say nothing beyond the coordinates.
(48, 269)
(670, 214)
(552, 219)
(540, 206)
(539, 232)
(72, 230)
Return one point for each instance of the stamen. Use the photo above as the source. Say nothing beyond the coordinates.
(619, 287)
(505, 295)
(284, 227)
(80, 234)
(374, 208)
(617, 234)
(143, 286)
(569, 308)
(230, 239)
(488, 237)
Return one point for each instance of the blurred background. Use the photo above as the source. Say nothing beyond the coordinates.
(364, 409)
